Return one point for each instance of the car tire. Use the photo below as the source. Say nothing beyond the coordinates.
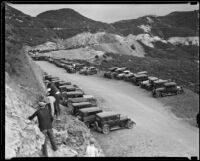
(129, 124)
(87, 124)
(106, 129)
(157, 94)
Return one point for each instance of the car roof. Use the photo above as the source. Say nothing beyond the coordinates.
(140, 75)
(106, 114)
(73, 92)
(127, 71)
(90, 109)
(142, 72)
(67, 86)
(87, 96)
(152, 78)
(170, 84)
(78, 99)
(122, 68)
(160, 81)
(81, 103)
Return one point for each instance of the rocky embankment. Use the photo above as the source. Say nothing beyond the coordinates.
(23, 137)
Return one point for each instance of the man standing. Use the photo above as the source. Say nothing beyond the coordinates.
(53, 91)
(92, 151)
(45, 124)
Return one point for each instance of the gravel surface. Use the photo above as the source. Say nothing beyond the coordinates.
(157, 131)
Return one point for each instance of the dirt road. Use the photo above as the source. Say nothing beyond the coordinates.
(157, 131)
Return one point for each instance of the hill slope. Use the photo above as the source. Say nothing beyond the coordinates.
(67, 22)
(175, 24)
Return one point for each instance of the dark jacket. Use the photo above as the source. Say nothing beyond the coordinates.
(53, 90)
(44, 118)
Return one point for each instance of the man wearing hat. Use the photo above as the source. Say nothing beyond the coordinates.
(45, 124)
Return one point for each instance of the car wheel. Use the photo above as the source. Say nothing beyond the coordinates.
(157, 94)
(106, 129)
(72, 111)
(87, 124)
(129, 124)
(95, 125)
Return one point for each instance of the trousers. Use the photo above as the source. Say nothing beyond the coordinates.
(48, 135)
(57, 104)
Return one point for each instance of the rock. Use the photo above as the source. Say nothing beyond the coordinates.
(63, 151)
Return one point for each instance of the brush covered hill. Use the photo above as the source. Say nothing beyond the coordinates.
(28, 29)
(67, 23)
(175, 24)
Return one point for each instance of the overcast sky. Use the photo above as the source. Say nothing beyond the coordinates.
(108, 12)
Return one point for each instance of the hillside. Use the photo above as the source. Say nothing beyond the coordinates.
(28, 29)
(67, 23)
(176, 24)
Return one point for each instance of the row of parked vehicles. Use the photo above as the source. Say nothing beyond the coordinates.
(159, 87)
(70, 67)
(85, 108)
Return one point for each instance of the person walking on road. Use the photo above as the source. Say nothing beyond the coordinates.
(45, 124)
(54, 91)
(91, 150)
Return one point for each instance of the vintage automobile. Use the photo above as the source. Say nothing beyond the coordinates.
(169, 88)
(121, 76)
(91, 71)
(85, 98)
(67, 88)
(69, 68)
(158, 83)
(106, 121)
(88, 115)
(130, 76)
(108, 73)
(72, 94)
(146, 84)
(83, 70)
(149, 86)
(117, 71)
(139, 78)
(74, 107)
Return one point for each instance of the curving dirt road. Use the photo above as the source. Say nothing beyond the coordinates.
(157, 131)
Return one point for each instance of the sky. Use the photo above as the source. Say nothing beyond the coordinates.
(108, 12)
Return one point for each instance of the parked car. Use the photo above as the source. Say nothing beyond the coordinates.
(117, 71)
(85, 98)
(149, 86)
(169, 88)
(88, 115)
(108, 73)
(139, 78)
(67, 88)
(106, 121)
(74, 107)
(121, 76)
(158, 83)
(69, 69)
(130, 76)
(146, 84)
(91, 71)
(83, 70)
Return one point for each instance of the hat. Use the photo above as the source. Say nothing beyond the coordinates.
(43, 100)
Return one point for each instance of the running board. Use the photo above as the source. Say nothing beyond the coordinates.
(115, 128)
